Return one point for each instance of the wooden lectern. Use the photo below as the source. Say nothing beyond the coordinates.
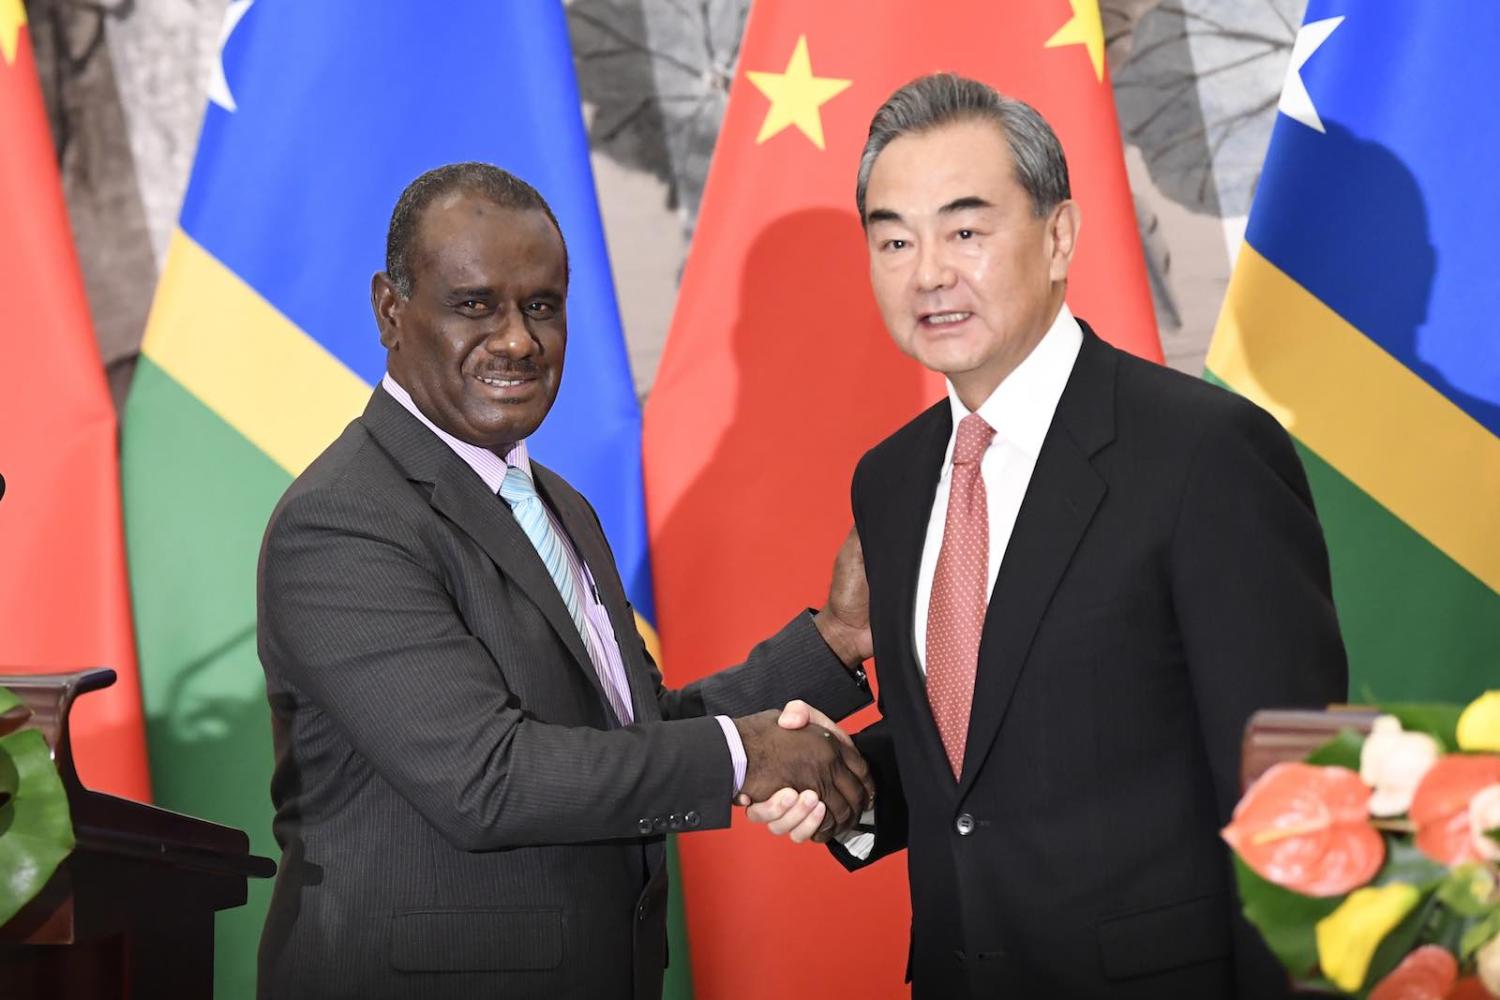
(1276, 735)
(130, 913)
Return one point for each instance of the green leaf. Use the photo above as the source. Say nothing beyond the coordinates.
(1404, 863)
(1341, 751)
(1400, 941)
(1284, 918)
(13, 712)
(1479, 935)
(1466, 890)
(1437, 721)
(36, 831)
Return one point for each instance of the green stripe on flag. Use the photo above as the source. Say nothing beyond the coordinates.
(1416, 624)
(197, 498)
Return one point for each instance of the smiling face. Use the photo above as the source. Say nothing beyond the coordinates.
(967, 277)
(479, 343)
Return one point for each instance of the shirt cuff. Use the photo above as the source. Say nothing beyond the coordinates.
(860, 842)
(736, 751)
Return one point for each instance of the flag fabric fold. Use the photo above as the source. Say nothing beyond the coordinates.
(64, 602)
(1358, 314)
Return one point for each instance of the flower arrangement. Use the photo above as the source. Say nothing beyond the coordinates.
(1372, 866)
(36, 831)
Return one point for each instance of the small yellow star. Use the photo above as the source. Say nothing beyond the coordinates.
(795, 96)
(12, 16)
(1086, 29)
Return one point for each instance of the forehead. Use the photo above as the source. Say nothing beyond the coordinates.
(921, 171)
(462, 237)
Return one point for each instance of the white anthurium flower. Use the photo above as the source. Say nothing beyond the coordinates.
(1484, 816)
(1393, 763)
(1488, 960)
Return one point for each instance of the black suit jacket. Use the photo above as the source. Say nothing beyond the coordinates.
(459, 813)
(1166, 577)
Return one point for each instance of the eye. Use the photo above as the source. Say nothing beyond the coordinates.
(965, 234)
(893, 245)
(540, 310)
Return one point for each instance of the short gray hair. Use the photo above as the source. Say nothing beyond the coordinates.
(929, 102)
(500, 187)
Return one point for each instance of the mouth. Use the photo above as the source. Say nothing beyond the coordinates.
(941, 321)
(507, 385)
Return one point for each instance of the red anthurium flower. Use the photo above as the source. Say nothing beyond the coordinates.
(1440, 808)
(1470, 988)
(1307, 828)
(1428, 973)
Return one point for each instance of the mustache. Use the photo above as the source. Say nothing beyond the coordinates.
(523, 368)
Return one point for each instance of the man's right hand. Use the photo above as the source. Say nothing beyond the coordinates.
(810, 758)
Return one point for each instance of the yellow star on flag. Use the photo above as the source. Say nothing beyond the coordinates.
(795, 96)
(12, 16)
(1086, 29)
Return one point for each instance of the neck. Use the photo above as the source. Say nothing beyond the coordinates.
(975, 387)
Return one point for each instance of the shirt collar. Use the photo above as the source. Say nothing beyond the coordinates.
(1021, 407)
(489, 466)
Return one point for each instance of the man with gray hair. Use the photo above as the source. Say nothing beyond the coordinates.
(1086, 571)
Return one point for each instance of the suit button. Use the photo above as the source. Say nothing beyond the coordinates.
(691, 819)
(660, 826)
(964, 824)
(644, 826)
(640, 911)
(674, 821)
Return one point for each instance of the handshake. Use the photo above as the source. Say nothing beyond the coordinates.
(803, 776)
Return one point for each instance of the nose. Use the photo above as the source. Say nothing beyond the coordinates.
(510, 338)
(934, 272)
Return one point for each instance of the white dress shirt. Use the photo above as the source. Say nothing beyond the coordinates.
(1020, 410)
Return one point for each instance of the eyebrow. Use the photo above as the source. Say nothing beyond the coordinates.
(956, 205)
(967, 202)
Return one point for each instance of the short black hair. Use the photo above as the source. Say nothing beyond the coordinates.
(939, 99)
(500, 187)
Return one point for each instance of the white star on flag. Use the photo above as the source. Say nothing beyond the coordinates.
(218, 84)
(1296, 103)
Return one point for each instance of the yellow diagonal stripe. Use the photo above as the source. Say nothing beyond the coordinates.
(1362, 411)
(12, 17)
(247, 362)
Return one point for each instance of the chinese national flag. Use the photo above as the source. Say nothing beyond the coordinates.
(63, 599)
(778, 375)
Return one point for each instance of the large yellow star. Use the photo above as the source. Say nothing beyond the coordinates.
(12, 16)
(795, 96)
(1086, 29)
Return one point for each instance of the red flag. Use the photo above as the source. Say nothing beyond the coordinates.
(63, 598)
(778, 375)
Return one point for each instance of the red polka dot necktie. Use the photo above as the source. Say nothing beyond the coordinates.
(955, 616)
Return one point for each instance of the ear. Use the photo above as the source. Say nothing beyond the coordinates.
(386, 303)
(1062, 229)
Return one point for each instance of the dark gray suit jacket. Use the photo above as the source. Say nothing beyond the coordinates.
(459, 814)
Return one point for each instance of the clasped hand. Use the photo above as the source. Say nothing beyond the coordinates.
(803, 776)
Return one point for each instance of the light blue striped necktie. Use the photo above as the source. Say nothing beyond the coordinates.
(519, 491)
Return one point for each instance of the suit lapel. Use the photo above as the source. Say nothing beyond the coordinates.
(1064, 492)
(461, 496)
(910, 491)
(593, 549)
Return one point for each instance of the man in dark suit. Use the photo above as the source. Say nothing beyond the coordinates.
(1086, 572)
(477, 763)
